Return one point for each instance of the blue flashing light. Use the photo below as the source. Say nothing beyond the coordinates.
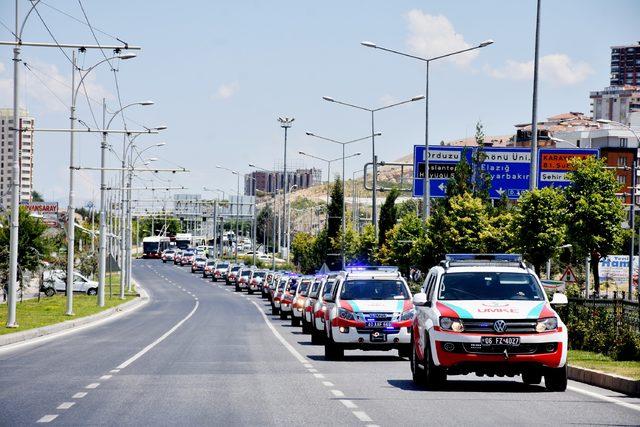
(386, 268)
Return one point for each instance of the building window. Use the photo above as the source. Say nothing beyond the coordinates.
(623, 142)
(622, 179)
(622, 161)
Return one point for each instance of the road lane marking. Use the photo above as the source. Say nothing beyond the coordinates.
(337, 393)
(362, 416)
(318, 375)
(47, 419)
(308, 365)
(105, 377)
(349, 404)
(280, 338)
(66, 405)
(114, 371)
(79, 395)
(93, 385)
(605, 398)
(159, 340)
(327, 383)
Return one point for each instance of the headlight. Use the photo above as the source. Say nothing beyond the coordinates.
(345, 314)
(408, 315)
(547, 324)
(451, 324)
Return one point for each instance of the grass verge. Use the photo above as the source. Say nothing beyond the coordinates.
(599, 362)
(50, 310)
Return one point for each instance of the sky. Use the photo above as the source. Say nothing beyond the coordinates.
(221, 73)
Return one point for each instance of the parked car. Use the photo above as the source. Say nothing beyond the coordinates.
(187, 258)
(177, 257)
(168, 255)
(256, 280)
(56, 281)
(242, 281)
(278, 291)
(198, 263)
(266, 283)
(232, 276)
(318, 332)
(487, 314)
(370, 308)
(286, 300)
(299, 298)
(220, 271)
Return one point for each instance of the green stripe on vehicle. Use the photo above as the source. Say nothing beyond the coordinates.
(460, 311)
(535, 311)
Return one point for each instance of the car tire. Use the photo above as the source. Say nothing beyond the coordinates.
(237, 288)
(555, 379)
(249, 291)
(164, 262)
(263, 295)
(428, 374)
(49, 292)
(332, 350)
(306, 326)
(294, 320)
(316, 336)
(92, 291)
(275, 310)
(404, 350)
(283, 315)
(532, 377)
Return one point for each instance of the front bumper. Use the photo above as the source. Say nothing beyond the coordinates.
(459, 349)
(353, 332)
(298, 312)
(286, 307)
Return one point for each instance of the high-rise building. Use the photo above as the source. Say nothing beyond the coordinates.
(25, 154)
(269, 182)
(625, 65)
(617, 103)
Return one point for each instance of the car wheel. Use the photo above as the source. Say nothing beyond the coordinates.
(531, 377)
(249, 291)
(237, 288)
(164, 262)
(92, 291)
(283, 315)
(275, 310)
(49, 292)
(316, 336)
(332, 350)
(294, 320)
(263, 295)
(306, 327)
(555, 379)
(428, 374)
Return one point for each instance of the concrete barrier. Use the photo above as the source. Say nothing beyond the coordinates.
(601, 379)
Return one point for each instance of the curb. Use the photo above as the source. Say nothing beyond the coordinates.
(18, 337)
(600, 379)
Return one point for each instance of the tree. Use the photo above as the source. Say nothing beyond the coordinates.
(460, 182)
(400, 240)
(595, 216)
(388, 215)
(539, 225)
(367, 246)
(36, 196)
(173, 226)
(33, 246)
(264, 224)
(303, 251)
(335, 210)
(481, 179)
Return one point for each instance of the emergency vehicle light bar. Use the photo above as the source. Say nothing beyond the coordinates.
(484, 257)
(382, 268)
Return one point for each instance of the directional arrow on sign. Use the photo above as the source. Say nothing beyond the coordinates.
(442, 187)
(500, 191)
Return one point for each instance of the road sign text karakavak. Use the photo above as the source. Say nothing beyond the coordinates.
(554, 164)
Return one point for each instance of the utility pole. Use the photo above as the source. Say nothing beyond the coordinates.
(533, 179)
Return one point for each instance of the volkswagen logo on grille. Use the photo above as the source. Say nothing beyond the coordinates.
(499, 325)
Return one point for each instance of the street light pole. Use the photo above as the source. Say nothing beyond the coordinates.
(533, 179)
(426, 189)
(285, 123)
(374, 216)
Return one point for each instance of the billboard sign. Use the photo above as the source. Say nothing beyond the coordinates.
(615, 269)
(42, 208)
(553, 164)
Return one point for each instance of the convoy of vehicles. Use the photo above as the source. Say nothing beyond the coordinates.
(482, 314)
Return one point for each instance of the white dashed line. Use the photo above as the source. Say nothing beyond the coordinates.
(307, 365)
(79, 395)
(337, 393)
(362, 416)
(93, 385)
(312, 370)
(114, 371)
(105, 377)
(66, 405)
(318, 375)
(327, 383)
(349, 404)
(47, 418)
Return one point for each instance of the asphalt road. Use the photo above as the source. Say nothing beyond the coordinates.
(200, 354)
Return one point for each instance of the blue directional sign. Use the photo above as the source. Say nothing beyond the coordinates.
(510, 169)
(442, 164)
(553, 164)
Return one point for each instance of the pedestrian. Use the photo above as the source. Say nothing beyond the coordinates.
(5, 292)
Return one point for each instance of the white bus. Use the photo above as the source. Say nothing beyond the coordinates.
(183, 240)
(153, 246)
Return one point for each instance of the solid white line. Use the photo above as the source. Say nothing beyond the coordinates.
(362, 416)
(337, 393)
(105, 377)
(327, 383)
(159, 340)
(79, 395)
(284, 342)
(93, 385)
(605, 398)
(349, 404)
(66, 405)
(47, 419)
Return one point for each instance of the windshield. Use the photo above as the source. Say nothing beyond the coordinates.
(304, 287)
(222, 266)
(259, 274)
(169, 251)
(490, 286)
(281, 284)
(245, 273)
(328, 288)
(211, 263)
(293, 285)
(313, 292)
(374, 290)
(234, 269)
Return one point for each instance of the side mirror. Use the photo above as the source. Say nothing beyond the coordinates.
(559, 299)
(420, 299)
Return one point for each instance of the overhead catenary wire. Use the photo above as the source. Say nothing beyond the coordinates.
(79, 20)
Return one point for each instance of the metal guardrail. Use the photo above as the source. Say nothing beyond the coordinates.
(624, 312)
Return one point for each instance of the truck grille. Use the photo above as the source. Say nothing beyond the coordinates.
(512, 326)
